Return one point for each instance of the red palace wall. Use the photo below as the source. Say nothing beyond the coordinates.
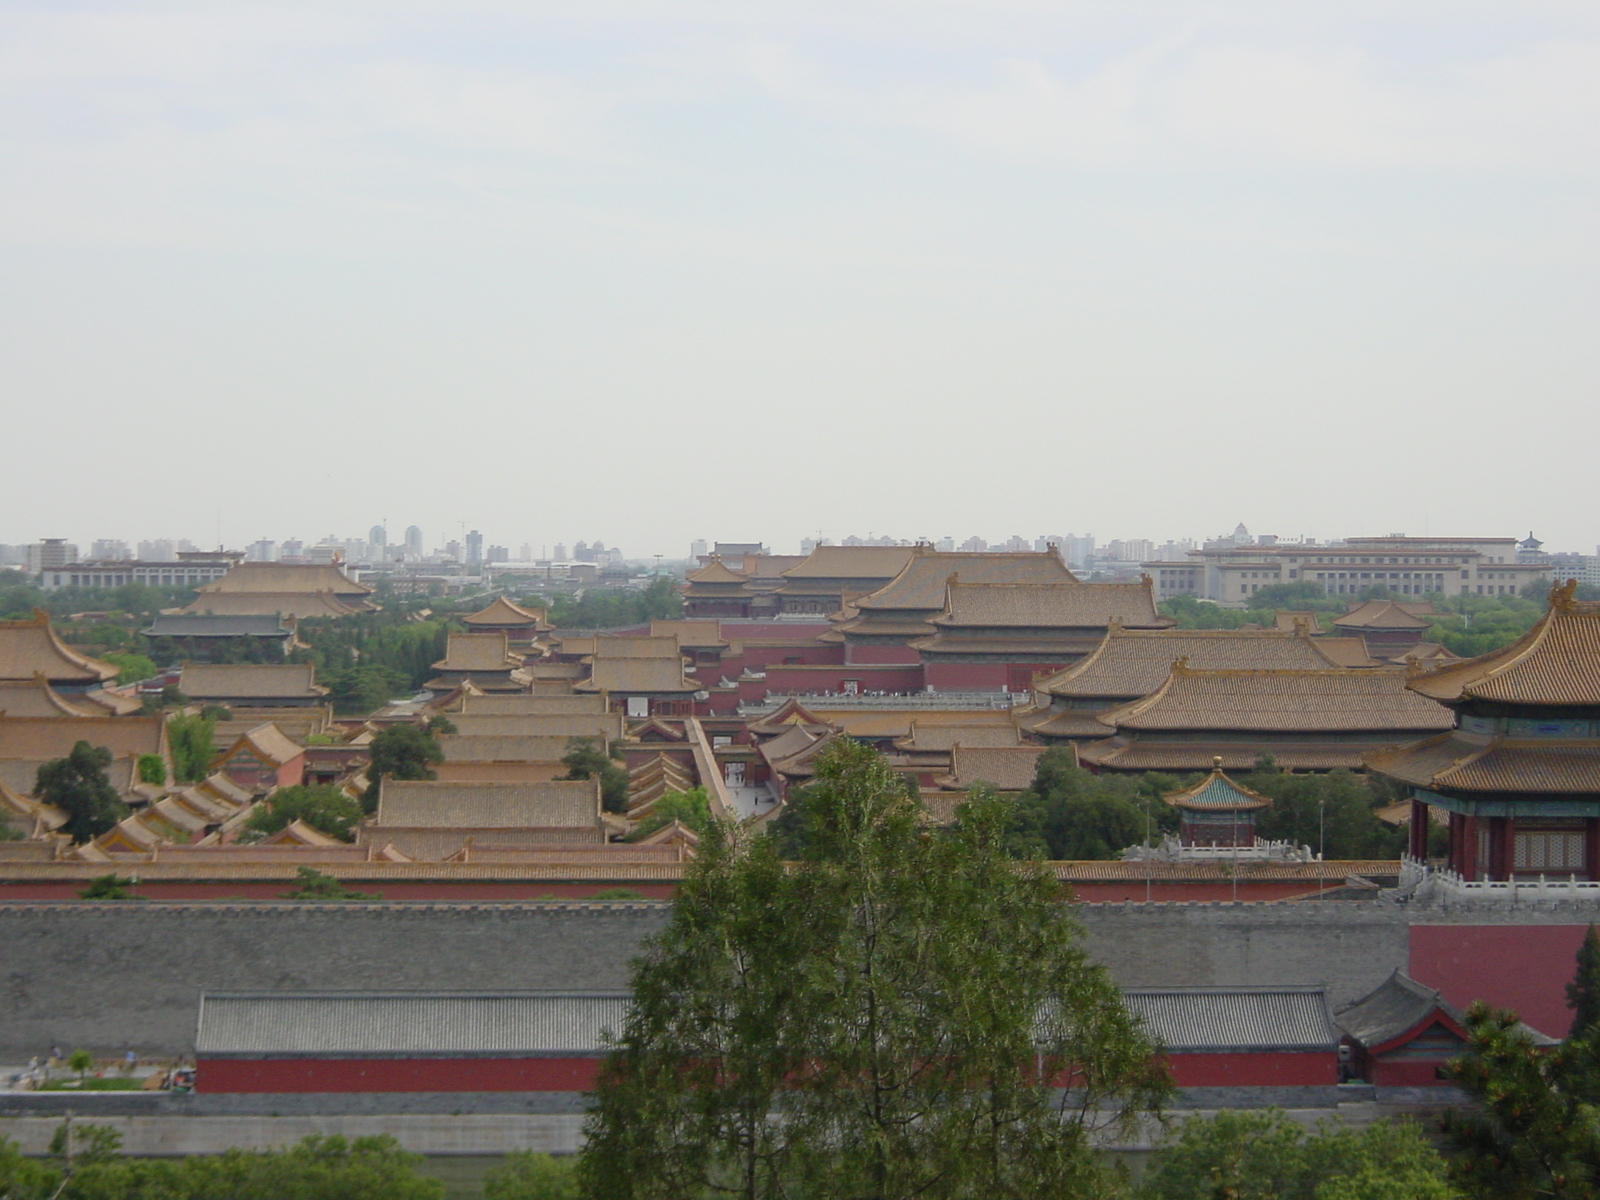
(881, 678)
(881, 654)
(1525, 968)
(966, 676)
(1268, 1069)
(1405, 1073)
(567, 1074)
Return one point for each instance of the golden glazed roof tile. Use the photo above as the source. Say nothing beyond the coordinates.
(1382, 614)
(1067, 605)
(1555, 663)
(920, 586)
(302, 578)
(478, 652)
(30, 647)
(1135, 662)
(504, 612)
(242, 681)
(1332, 700)
(557, 804)
(1462, 762)
(1006, 768)
(850, 562)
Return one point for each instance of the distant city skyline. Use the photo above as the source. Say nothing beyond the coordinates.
(414, 543)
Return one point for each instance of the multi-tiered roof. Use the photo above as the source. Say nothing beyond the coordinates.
(1527, 717)
(904, 608)
(1025, 622)
(283, 589)
(1317, 720)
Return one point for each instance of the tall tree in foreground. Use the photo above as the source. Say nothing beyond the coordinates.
(888, 1018)
(77, 785)
(1583, 993)
(1535, 1130)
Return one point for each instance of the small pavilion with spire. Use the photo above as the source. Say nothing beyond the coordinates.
(1217, 811)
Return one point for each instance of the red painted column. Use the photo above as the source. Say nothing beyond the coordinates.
(1468, 848)
(1418, 830)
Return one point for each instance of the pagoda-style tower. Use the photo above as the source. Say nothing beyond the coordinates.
(1217, 811)
(1520, 772)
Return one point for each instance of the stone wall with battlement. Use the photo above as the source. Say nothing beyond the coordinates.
(110, 977)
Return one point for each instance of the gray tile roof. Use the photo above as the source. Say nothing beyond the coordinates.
(256, 1024)
(1268, 1018)
(230, 625)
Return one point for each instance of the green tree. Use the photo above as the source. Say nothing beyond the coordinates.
(692, 808)
(193, 742)
(1534, 1131)
(107, 887)
(77, 785)
(80, 1061)
(1334, 813)
(400, 752)
(315, 885)
(316, 1168)
(530, 1175)
(1067, 813)
(24, 1178)
(130, 667)
(586, 758)
(884, 1019)
(152, 769)
(321, 806)
(1263, 1155)
(1583, 993)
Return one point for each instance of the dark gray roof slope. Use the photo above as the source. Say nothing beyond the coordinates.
(1266, 1018)
(279, 1024)
(201, 625)
(1399, 1004)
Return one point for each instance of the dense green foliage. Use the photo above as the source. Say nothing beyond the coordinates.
(192, 738)
(1473, 625)
(1464, 625)
(130, 667)
(368, 659)
(692, 808)
(399, 752)
(1332, 813)
(530, 1175)
(1263, 1155)
(586, 758)
(77, 785)
(322, 806)
(152, 769)
(1535, 1128)
(1069, 813)
(315, 885)
(107, 887)
(316, 1168)
(1583, 993)
(612, 608)
(880, 1021)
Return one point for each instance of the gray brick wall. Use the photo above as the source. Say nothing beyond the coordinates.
(108, 977)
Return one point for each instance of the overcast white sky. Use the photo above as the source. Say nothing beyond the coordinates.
(647, 272)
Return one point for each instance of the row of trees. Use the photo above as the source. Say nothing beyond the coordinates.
(1464, 625)
(612, 608)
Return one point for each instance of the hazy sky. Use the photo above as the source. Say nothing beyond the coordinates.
(647, 272)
